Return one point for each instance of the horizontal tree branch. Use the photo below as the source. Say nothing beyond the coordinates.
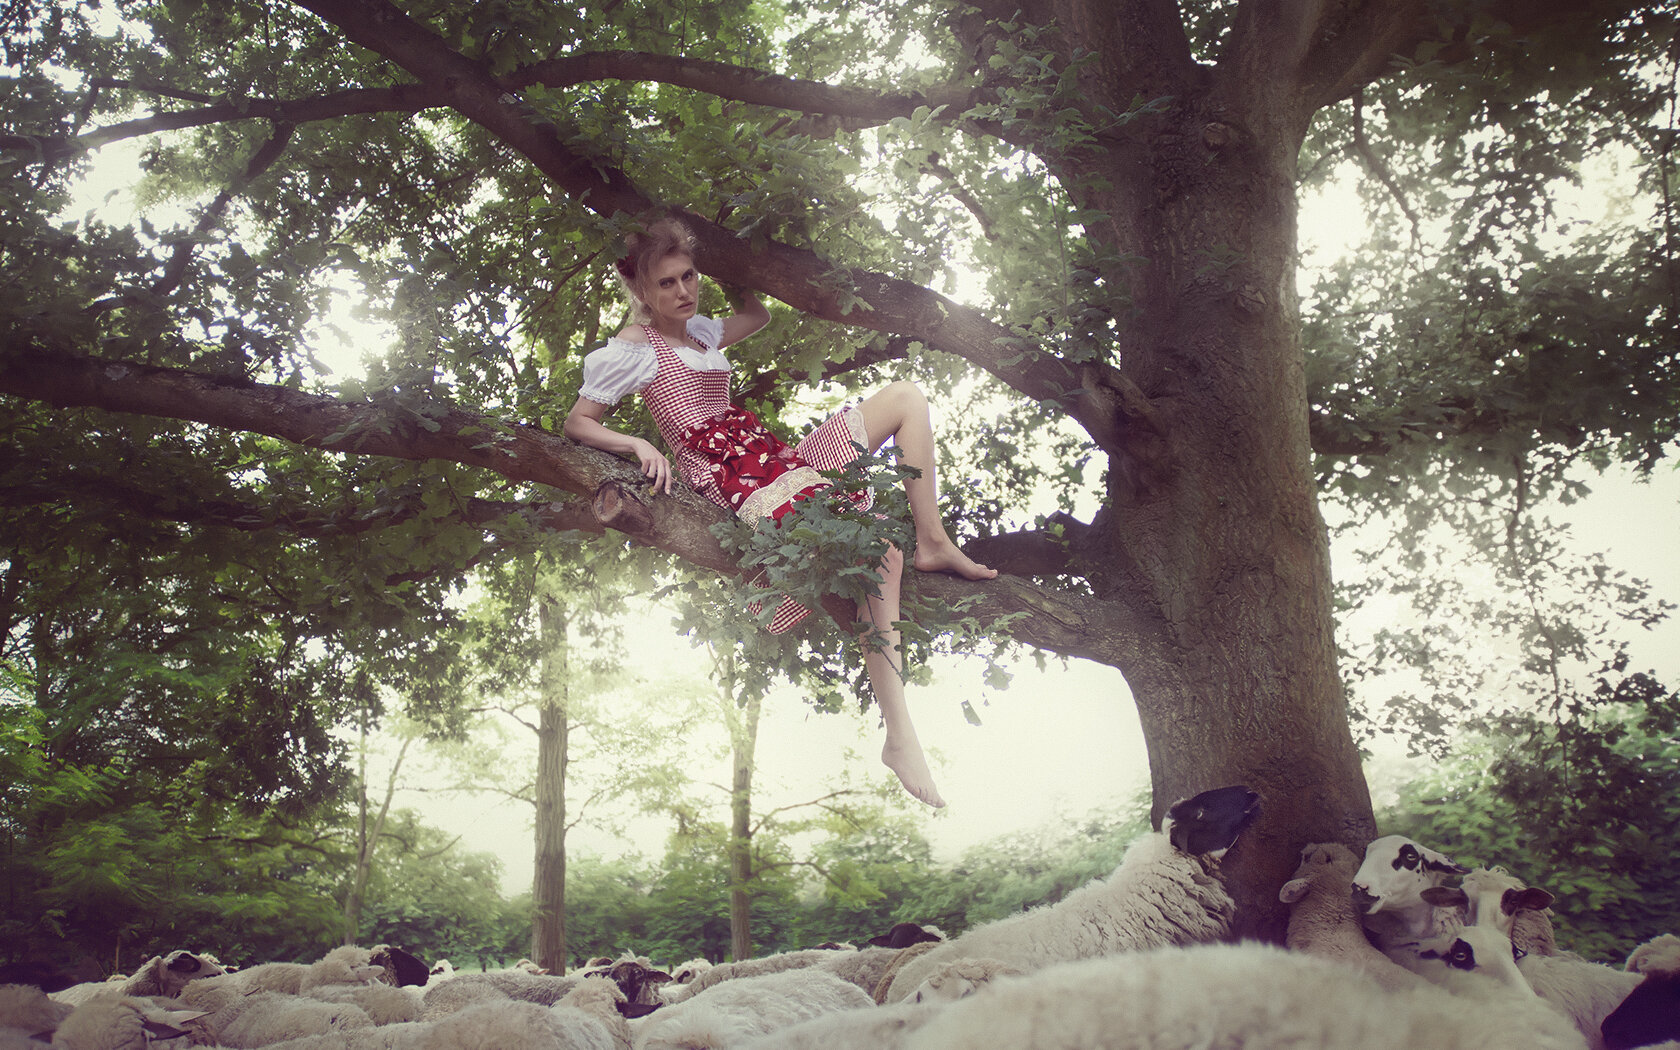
(1060, 622)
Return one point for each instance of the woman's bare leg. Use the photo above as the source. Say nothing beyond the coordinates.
(900, 411)
(902, 751)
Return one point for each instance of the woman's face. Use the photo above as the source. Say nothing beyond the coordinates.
(673, 291)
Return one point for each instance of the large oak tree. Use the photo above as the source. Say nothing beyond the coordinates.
(1120, 178)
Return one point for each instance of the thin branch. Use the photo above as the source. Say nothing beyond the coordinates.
(1362, 146)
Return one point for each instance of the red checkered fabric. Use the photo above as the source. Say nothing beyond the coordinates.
(684, 401)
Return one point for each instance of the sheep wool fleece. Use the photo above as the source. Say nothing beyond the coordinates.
(1225, 997)
(1157, 897)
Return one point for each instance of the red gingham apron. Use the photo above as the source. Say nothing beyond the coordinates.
(726, 455)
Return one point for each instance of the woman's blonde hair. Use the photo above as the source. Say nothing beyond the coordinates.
(642, 250)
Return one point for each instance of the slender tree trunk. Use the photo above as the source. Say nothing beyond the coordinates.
(744, 745)
(368, 830)
(548, 923)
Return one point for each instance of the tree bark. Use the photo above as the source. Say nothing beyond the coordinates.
(548, 890)
(744, 746)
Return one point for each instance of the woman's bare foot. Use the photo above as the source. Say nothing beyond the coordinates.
(948, 557)
(912, 769)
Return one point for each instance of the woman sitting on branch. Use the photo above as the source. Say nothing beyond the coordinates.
(673, 357)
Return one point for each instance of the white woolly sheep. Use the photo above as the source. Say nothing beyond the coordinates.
(1390, 885)
(25, 1009)
(131, 1022)
(1255, 996)
(1651, 1012)
(757, 967)
(161, 975)
(1159, 895)
(900, 960)
(878, 1028)
(383, 1003)
(1587, 992)
(863, 968)
(745, 1008)
(1495, 897)
(1323, 920)
(468, 988)
(442, 970)
(689, 970)
(259, 1018)
(960, 979)
(586, 1019)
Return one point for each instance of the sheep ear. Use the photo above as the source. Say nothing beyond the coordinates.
(1294, 890)
(1444, 896)
(1513, 901)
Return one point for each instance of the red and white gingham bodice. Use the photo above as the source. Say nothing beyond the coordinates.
(680, 397)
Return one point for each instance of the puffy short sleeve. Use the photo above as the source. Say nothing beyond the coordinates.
(617, 369)
(706, 330)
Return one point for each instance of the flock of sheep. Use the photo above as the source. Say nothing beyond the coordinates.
(1381, 953)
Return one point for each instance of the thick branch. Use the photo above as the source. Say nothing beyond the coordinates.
(1070, 624)
(740, 84)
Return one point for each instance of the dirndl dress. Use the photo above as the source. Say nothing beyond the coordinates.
(727, 455)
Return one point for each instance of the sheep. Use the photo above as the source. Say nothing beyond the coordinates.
(1389, 886)
(1255, 996)
(1160, 894)
(899, 962)
(467, 988)
(442, 970)
(879, 1028)
(383, 1003)
(904, 934)
(759, 967)
(638, 977)
(586, 1019)
(161, 975)
(745, 1008)
(1494, 897)
(26, 1009)
(1587, 992)
(130, 1022)
(960, 979)
(1651, 1012)
(259, 1018)
(1323, 921)
(689, 970)
(863, 968)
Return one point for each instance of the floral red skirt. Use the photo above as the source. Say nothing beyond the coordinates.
(754, 469)
(760, 476)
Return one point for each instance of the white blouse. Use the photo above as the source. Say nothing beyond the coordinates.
(622, 367)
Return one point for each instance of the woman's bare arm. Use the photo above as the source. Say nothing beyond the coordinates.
(583, 425)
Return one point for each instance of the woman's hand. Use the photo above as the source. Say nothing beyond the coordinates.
(654, 464)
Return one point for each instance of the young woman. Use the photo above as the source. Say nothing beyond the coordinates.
(673, 358)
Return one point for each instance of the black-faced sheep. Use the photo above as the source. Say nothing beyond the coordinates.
(1159, 895)
(1651, 1012)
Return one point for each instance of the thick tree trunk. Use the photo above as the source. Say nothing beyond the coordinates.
(1222, 546)
(548, 890)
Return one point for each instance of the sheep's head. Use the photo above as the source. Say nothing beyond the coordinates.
(1396, 871)
(1322, 864)
(1208, 824)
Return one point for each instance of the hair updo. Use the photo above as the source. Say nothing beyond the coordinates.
(645, 248)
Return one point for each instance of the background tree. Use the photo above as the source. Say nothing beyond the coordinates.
(542, 649)
(1122, 180)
